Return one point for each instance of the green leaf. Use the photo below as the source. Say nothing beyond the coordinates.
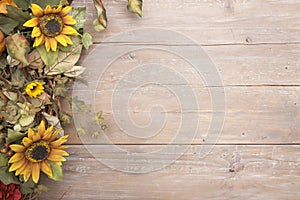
(44, 3)
(24, 4)
(65, 118)
(60, 90)
(13, 136)
(17, 14)
(74, 71)
(57, 173)
(27, 187)
(17, 47)
(79, 14)
(87, 40)
(7, 177)
(135, 6)
(64, 62)
(3, 160)
(48, 58)
(18, 79)
(7, 25)
(26, 120)
(79, 105)
(101, 22)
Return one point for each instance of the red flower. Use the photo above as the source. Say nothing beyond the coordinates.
(10, 192)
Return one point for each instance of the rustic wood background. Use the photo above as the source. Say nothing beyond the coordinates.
(255, 45)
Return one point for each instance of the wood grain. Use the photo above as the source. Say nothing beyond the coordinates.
(228, 172)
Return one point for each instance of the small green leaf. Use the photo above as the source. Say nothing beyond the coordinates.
(3, 160)
(101, 22)
(48, 58)
(79, 14)
(26, 120)
(13, 136)
(64, 62)
(135, 6)
(60, 90)
(65, 118)
(17, 47)
(7, 25)
(57, 173)
(27, 187)
(87, 40)
(7, 177)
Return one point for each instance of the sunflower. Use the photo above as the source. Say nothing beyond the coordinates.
(34, 89)
(51, 26)
(36, 151)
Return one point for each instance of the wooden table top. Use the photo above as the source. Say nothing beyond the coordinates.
(255, 48)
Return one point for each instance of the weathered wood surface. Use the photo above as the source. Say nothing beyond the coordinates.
(228, 172)
(255, 46)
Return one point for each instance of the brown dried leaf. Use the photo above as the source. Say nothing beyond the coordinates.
(101, 22)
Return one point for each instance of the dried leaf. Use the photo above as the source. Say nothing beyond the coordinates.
(35, 60)
(13, 136)
(18, 79)
(60, 90)
(135, 6)
(53, 121)
(74, 71)
(64, 62)
(101, 22)
(17, 47)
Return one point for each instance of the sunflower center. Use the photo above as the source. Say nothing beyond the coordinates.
(51, 25)
(38, 151)
(33, 87)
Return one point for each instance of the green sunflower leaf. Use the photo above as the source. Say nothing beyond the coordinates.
(135, 6)
(7, 177)
(57, 173)
(24, 4)
(79, 14)
(44, 3)
(17, 14)
(87, 40)
(64, 62)
(7, 25)
(3, 160)
(48, 58)
(13, 136)
(27, 187)
(17, 47)
(101, 22)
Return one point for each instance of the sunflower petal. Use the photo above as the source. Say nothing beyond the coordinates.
(56, 158)
(36, 172)
(16, 157)
(30, 133)
(68, 30)
(17, 148)
(55, 134)
(57, 10)
(59, 152)
(26, 142)
(36, 32)
(61, 40)
(47, 44)
(17, 165)
(32, 22)
(39, 40)
(48, 133)
(48, 10)
(69, 20)
(60, 141)
(21, 169)
(37, 10)
(53, 43)
(36, 137)
(41, 128)
(27, 171)
(65, 11)
(45, 167)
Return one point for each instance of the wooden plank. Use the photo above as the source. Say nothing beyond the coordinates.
(228, 172)
(207, 22)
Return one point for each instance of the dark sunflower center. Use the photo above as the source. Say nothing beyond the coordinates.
(38, 151)
(51, 25)
(33, 88)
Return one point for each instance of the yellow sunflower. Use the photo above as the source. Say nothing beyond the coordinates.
(35, 152)
(34, 89)
(51, 25)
